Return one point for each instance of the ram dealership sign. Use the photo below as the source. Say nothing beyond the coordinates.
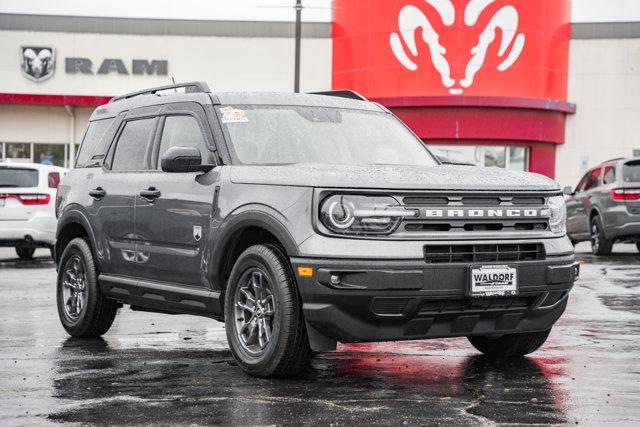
(452, 48)
(38, 64)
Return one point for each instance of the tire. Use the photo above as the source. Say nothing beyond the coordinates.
(600, 245)
(94, 314)
(263, 273)
(510, 345)
(25, 253)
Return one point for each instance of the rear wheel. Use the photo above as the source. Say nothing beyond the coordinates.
(263, 315)
(84, 312)
(510, 345)
(600, 245)
(25, 253)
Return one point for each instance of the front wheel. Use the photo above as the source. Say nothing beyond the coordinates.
(25, 253)
(84, 312)
(511, 344)
(263, 315)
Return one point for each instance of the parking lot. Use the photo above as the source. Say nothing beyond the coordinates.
(178, 370)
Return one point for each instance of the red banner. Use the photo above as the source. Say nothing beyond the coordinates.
(404, 48)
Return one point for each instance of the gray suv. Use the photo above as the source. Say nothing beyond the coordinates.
(605, 206)
(301, 220)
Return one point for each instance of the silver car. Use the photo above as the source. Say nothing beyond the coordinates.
(605, 205)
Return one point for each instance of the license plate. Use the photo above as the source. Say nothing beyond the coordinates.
(494, 280)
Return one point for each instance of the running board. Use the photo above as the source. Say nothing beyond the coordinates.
(161, 297)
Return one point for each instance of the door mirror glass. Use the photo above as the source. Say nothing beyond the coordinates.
(183, 159)
(568, 190)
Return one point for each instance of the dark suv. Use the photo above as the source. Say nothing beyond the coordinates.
(605, 206)
(301, 220)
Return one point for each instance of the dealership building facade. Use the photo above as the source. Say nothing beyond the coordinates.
(491, 83)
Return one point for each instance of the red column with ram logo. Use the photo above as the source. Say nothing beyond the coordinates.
(468, 76)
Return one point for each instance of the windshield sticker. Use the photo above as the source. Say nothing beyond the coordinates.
(233, 115)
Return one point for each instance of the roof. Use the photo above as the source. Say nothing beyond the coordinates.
(199, 93)
(288, 98)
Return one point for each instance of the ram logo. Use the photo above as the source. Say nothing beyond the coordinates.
(37, 63)
(502, 25)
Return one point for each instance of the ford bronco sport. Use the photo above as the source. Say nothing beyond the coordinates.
(301, 220)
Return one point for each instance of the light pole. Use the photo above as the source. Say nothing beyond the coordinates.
(296, 73)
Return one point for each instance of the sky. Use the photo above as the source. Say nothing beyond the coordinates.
(263, 10)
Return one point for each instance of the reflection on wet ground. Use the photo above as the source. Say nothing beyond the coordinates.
(152, 369)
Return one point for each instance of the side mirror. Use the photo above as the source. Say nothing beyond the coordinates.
(568, 191)
(183, 159)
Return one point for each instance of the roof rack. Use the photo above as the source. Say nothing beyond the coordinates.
(342, 94)
(189, 87)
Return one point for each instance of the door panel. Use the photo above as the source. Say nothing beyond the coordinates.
(576, 210)
(172, 230)
(113, 219)
(114, 195)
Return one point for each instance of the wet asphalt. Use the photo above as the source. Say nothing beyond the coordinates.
(160, 369)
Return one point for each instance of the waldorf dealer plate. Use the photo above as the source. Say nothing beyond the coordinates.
(493, 280)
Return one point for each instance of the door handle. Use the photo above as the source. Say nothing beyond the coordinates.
(97, 193)
(150, 193)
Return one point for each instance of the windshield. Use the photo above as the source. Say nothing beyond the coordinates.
(267, 134)
(631, 172)
(17, 177)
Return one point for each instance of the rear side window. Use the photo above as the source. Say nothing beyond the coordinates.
(609, 175)
(631, 172)
(182, 131)
(132, 145)
(18, 178)
(92, 144)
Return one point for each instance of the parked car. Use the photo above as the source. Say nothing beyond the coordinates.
(605, 205)
(27, 206)
(301, 220)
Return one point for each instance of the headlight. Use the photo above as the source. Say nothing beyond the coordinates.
(557, 215)
(349, 214)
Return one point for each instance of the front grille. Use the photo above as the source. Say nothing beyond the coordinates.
(483, 253)
(482, 214)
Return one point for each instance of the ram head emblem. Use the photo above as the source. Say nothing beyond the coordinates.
(37, 63)
(503, 25)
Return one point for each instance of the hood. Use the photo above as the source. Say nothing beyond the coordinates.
(441, 177)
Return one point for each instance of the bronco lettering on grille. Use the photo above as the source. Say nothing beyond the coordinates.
(482, 213)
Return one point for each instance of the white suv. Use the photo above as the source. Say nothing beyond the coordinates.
(27, 206)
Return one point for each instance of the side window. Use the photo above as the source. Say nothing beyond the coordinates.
(593, 180)
(132, 145)
(609, 175)
(91, 143)
(582, 183)
(182, 131)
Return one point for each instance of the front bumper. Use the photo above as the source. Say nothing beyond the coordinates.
(380, 300)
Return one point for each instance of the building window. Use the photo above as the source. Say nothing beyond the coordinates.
(514, 158)
(18, 151)
(49, 154)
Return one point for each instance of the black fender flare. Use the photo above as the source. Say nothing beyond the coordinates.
(248, 218)
(76, 216)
